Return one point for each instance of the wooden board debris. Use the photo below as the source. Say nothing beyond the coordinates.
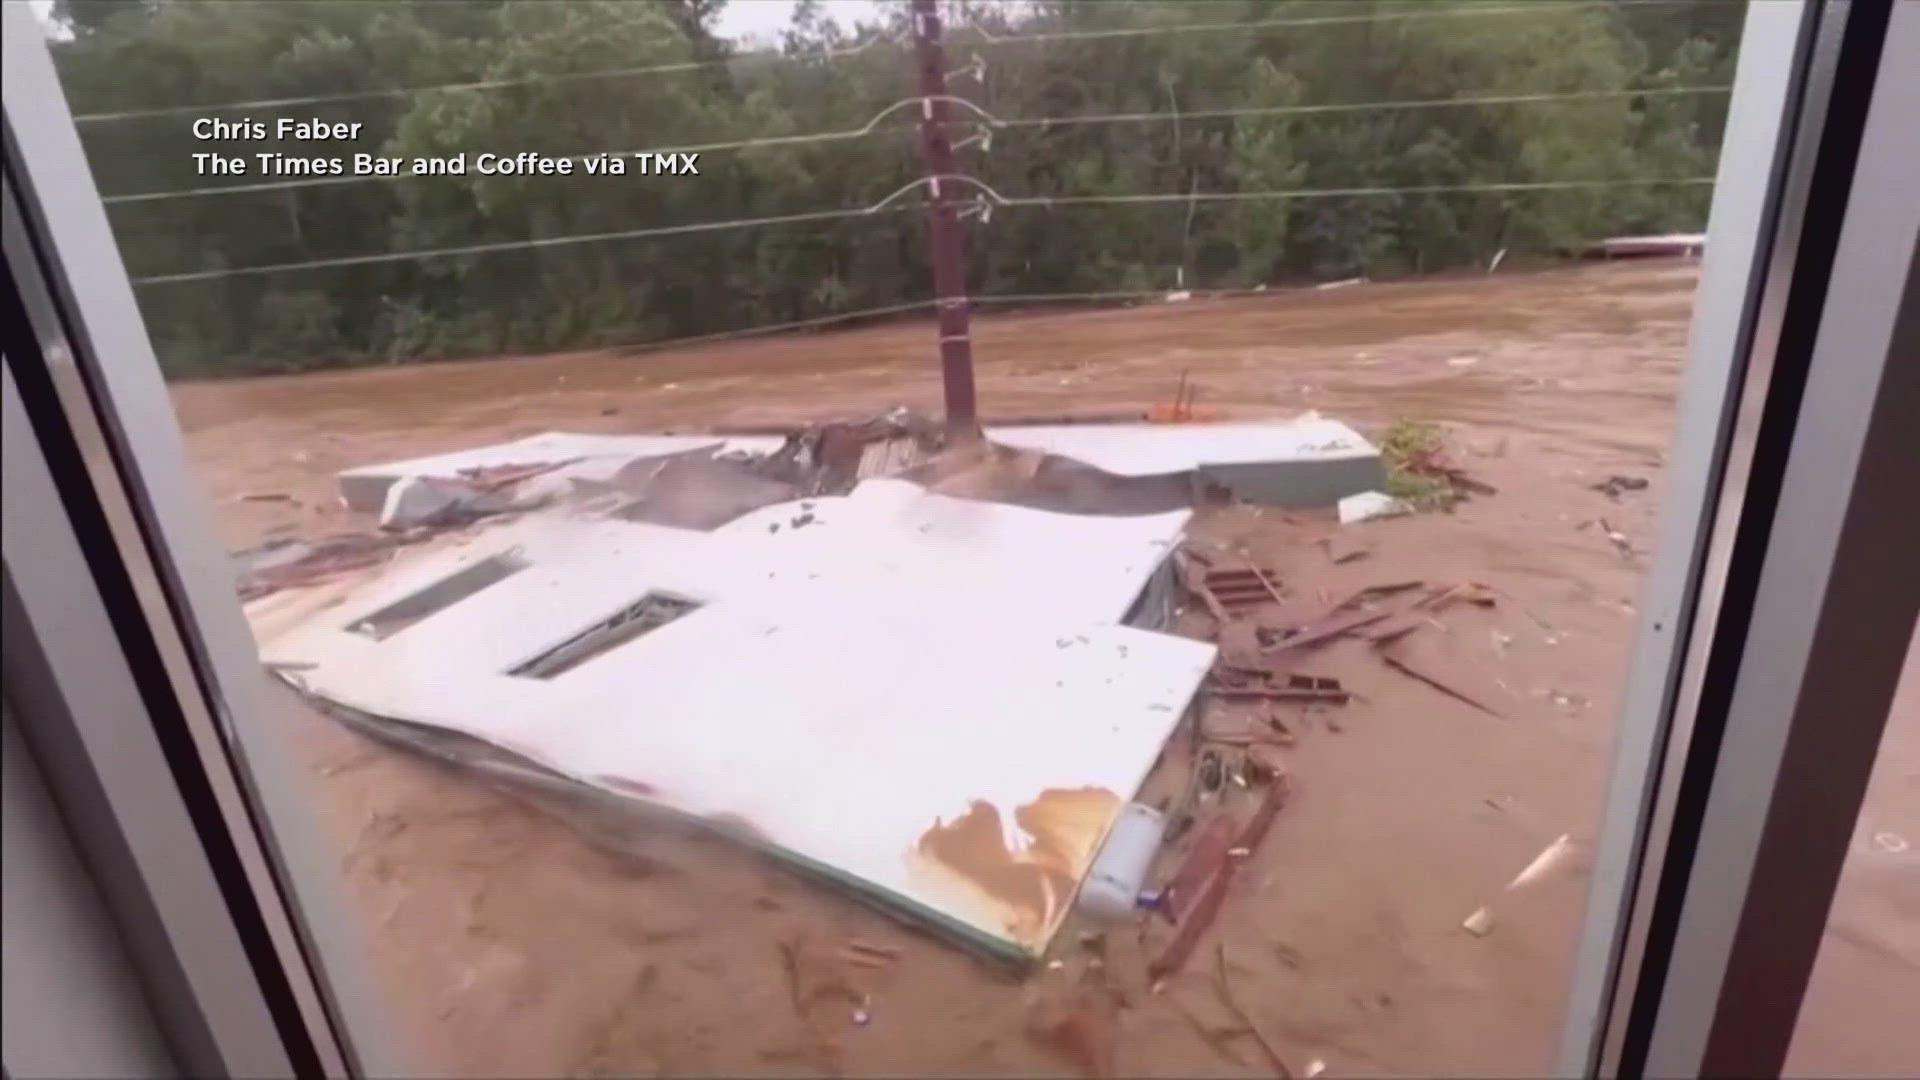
(1195, 915)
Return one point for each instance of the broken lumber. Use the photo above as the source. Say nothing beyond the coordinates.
(1250, 738)
(1281, 693)
(1343, 549)
(1322, 632)
(1242, 588)
(1247, 579)
(1338, 619)
(1203, 861)
(1396, 656)
(1193, 922)
(1263, 815)
(1200, 915)
(1194, 581)
(1396, 628)
(1555, 855)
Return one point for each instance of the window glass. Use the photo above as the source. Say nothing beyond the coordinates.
(587, 392)
(1851, 1023)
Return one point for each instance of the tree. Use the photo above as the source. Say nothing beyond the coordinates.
(1334, 138)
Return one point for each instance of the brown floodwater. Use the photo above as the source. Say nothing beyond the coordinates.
(506, 945)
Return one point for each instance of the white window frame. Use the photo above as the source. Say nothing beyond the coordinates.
(1745, 740)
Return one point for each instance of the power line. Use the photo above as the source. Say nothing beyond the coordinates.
(771, 328)
(477, 85)
(484, 85)
(1320, 20)
(991, 197)
(873, 127)
(514, 245)
(988, 196)
(1360, 106)
(696, 148)
(1196, 294)
(927, 305)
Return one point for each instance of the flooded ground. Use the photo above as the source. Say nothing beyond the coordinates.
(512, 947)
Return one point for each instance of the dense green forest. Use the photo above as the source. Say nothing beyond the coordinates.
(1612, 88)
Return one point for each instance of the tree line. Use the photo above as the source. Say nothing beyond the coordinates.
(1098, 100)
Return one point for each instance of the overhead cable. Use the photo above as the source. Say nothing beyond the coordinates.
(1426, 11)
(517, 245)
(695, 148)
(477, 85)
(872, 127)
(773, 328)
(987, 196)
(987, 38)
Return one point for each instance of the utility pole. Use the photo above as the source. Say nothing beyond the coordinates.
(948, 242)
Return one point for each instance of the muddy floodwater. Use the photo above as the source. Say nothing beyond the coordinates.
(507, 945)
(1584, 360)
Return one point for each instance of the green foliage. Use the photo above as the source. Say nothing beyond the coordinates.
(133, 54)
(1414, 453)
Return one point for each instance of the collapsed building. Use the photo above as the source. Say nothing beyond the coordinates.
(931, 677)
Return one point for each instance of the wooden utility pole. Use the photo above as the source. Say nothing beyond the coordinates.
(947, 240)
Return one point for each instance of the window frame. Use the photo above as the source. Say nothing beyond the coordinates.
(134, 667)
